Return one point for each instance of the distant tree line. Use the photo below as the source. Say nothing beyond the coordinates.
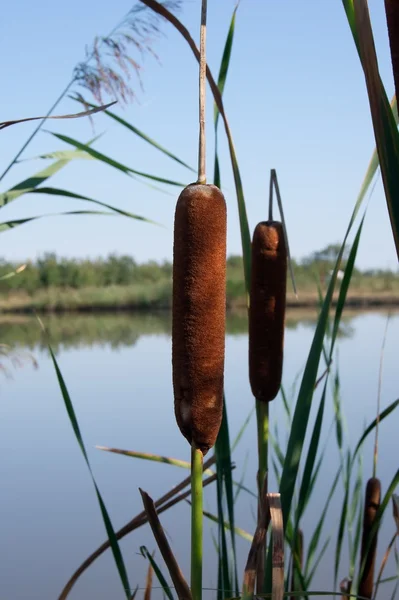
(50, 271)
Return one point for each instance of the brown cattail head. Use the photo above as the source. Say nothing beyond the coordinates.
(371, 506)
(392, 13)
(267, 309)
(199, 312)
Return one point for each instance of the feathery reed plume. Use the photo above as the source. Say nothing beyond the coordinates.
(267, 309)
(367, 557)
(392, 14)
(108, 66)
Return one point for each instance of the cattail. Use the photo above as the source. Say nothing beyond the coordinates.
(267, 309)
(392, 13)
(371, 506)
(199, 312)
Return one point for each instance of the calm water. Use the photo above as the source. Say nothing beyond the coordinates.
(118, 372)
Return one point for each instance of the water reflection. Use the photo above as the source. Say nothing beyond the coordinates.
(124, 330)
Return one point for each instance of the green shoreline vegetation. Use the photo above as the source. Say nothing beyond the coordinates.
(54, 284)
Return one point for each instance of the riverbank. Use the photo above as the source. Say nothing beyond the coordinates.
(158, 297)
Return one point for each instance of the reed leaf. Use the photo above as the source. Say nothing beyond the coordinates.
(143, 136)
(107, 521)
(85, 113)
(315, 539)
(385, 413)
(113, 163)
(158, 572)
(67, 194)
(7, 225)
(343, 516)
(224, 67)
(175, 462)
(385, 131)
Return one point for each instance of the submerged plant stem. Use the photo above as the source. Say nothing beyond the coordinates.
(196, 522)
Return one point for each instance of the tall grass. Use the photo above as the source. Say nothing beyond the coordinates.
(297, 466)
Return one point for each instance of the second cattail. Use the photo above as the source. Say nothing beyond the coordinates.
(267, 309)
(369, 548)
(199, 312)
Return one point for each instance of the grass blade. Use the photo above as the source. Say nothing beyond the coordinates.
(385, 413)
(143, 136)
(240, 532)
(31, 183)
(182, 589)
(225, 483)
(85, 113)
(175, 462)
(385, 131)
(6, 225)
(65, 193)
(111, 162)
(314, 541)
(224, 67)
(158, 572)
(107, 521)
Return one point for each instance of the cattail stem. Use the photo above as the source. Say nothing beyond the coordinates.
(271, 184)
(262, 417)
(196, 522)
(202, 95)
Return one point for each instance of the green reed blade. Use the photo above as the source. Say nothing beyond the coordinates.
(158, 572)
(143, 136)
(225, 482)
(224, 67)
(343, 516)
(6, 225)
(111, 162)
(385, 131)
(317, 562)
(67, 194)
(37, 179)
(107, 521)
(315, 539)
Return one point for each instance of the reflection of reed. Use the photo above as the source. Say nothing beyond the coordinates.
(118, 330)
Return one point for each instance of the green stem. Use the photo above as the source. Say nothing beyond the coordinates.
(196, 522)
(262, 417)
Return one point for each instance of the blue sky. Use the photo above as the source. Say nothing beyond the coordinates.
(295, 98)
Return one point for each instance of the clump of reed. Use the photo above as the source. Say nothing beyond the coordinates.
(198, 371)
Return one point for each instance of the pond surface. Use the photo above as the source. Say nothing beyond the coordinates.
(118, 373)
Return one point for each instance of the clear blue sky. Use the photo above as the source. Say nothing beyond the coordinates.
(295, 98)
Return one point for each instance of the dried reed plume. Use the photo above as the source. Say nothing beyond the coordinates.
(108, 66)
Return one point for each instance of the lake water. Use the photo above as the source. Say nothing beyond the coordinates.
(118, 372)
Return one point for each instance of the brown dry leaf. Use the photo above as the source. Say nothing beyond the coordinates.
(276, 515)
(85, 113)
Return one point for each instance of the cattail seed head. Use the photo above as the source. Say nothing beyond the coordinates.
(199, 312)
(267, 309)
(371, 506)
